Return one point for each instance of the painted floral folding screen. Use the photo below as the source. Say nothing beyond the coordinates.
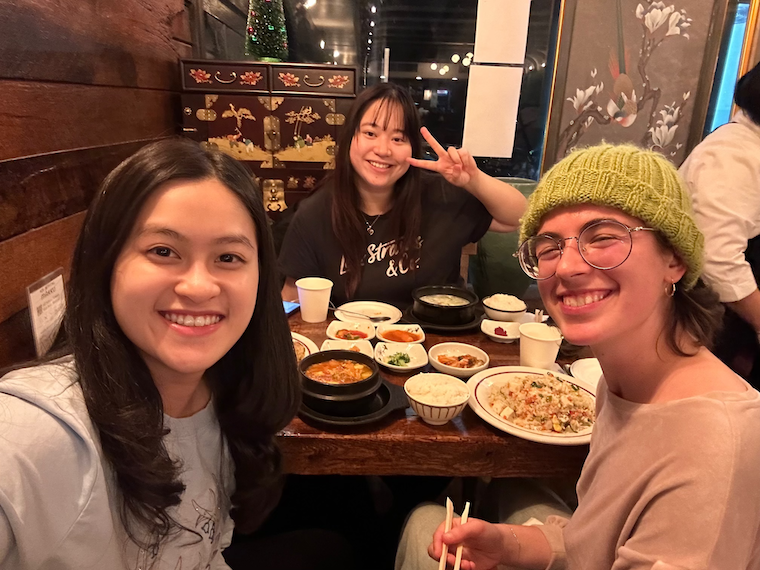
(633, 71)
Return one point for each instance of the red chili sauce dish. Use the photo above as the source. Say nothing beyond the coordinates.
(350, 334)
(397, 335)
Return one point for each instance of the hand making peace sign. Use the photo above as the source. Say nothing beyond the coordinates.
(456, 165)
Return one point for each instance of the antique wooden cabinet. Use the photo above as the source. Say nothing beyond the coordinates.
(282, 119)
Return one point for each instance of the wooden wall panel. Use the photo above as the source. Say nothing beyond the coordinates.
(84, 85)
(40, 189)
(125, 42)
(32, 255)
(47, 117)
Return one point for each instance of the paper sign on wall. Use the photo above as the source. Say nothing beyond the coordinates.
(493, 94)
(493, 90)
(501, 31)
(47, 303)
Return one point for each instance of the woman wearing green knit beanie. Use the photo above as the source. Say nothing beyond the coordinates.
(671, 479)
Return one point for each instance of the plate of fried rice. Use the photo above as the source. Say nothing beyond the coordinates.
(535, 404)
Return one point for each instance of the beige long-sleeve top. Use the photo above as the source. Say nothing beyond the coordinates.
(667, 486)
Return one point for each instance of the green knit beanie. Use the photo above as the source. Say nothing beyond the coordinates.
(639, 182)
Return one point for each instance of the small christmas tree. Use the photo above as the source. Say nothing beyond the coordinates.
(266, 38)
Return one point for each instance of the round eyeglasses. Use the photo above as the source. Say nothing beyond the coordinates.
(604, 244)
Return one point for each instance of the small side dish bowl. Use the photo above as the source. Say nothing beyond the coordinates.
(435, 304)
(363, 346)
(500, 307)
(339, 330)
(500, 331)
(399, 353)
(398, 333)
(464, 359)
(436, 398)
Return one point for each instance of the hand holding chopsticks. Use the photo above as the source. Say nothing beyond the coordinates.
(447, 528)
(481, 544)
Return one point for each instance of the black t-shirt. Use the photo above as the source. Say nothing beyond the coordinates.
(451, 218)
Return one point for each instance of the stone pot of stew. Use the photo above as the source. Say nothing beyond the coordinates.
(444, 305)
(338, 382)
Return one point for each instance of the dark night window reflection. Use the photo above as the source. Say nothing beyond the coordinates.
(418, 34)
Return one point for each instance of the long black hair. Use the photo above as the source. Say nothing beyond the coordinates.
(255, 385)
(406, 215)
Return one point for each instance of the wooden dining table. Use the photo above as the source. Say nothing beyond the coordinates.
(402, 444)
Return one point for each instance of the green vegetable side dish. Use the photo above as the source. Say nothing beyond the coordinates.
(399, 359)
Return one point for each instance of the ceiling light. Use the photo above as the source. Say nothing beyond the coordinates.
(418, 78)
(370, 32)
(369, 41)
(442, 71)
(373, 9)
(543, 64)
(322, 44)
(336, 53)
(530, 68)
(455, 58)
(309, 3)
(372, 24)
(455, 78)
(469, 54)
(466, 61)
(433, 66)
(445, 68)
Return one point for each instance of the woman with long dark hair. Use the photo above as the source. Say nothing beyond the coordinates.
(155, 436)
(671, 479)
(378, 228)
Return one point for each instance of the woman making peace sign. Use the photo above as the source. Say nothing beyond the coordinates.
(379, 229)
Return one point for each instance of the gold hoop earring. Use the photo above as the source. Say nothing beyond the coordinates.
(670, 291)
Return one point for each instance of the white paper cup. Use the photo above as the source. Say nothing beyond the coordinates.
(314, 297)
(539, 345)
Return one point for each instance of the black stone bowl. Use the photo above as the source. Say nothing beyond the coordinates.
(442, 315)
(338, 399)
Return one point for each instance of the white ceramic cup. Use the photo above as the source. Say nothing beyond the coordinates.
(539, 345)
(314, 297)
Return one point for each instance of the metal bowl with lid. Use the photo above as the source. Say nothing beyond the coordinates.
(441, 314)
(333, 398)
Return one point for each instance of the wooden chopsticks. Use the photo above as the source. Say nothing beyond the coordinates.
(463, 520)
(447, 528)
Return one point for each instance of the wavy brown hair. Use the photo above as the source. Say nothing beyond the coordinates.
(696, 313)
(406, 214)
(255, 385)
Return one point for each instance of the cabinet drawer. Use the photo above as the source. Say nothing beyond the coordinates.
(216, 76)
(331, 80)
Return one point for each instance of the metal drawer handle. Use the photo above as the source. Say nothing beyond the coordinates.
(233, 76)
(321, 81)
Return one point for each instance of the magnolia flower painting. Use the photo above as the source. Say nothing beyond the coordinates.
(630, 75)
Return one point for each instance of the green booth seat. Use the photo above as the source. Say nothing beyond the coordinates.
(493, 269)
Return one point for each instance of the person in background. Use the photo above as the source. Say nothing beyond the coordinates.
(671, 479)
(722, 174)
(154, 435)
(378, 229)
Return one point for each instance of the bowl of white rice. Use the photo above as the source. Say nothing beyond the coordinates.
(436, 398)
(501, 307)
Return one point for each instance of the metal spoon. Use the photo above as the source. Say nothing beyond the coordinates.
(380, 319)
